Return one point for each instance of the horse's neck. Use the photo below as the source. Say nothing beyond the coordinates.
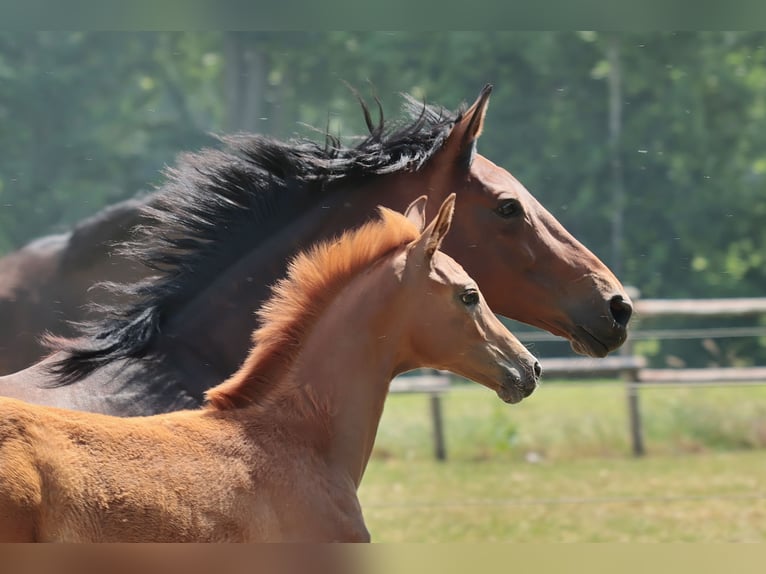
(216, 325)
(343, 370)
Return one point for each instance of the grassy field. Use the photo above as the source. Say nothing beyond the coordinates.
(557, 468)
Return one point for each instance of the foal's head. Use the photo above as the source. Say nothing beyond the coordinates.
(451, 326)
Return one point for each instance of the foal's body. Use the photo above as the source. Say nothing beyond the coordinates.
(280, 450)
(148, 474)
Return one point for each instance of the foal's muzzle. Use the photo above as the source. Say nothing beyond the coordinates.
(516, 385)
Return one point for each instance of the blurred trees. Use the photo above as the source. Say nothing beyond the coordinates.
(87, 119)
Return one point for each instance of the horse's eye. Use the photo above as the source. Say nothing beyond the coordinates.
(470, 297)
(509, 208)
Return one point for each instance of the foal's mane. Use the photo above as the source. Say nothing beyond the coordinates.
(218, 205)
(314, 279)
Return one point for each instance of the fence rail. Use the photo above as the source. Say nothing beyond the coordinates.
(703, 307)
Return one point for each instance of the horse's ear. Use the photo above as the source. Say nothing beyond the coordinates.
(432, 236)
(461, 142)
(416, 212)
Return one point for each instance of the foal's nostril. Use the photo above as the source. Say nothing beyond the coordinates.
(621, 310)
(537, 369)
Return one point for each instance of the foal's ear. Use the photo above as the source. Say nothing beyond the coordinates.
(433, 235)
(461, 142)
(416, 212)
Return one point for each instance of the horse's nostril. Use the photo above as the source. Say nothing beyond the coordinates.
(537, 369)
(621, 310)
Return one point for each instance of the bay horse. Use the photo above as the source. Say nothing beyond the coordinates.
(279, 451)
(46, 284)
(227, 221)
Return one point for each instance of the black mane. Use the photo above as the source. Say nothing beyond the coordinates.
(213, 210)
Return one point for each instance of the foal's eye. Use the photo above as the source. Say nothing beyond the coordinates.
(470, 297)
(509, 208)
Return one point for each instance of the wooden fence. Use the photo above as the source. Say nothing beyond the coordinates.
(644, 377)
(626, 365)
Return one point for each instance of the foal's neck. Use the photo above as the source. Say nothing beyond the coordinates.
(347, 362)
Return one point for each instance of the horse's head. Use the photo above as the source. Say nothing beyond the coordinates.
(452, 327)
(529, 267)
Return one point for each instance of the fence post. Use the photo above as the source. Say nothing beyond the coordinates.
(634, 412)
(632, 382)
(440, 450)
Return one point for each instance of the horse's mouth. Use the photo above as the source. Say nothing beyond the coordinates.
(582, 341)
(586, 343)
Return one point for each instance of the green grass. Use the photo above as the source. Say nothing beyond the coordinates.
(704, 478)
(696, 498)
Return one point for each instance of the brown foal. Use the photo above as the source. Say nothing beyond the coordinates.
(281, 447)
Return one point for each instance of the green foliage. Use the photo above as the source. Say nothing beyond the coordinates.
(91, 118)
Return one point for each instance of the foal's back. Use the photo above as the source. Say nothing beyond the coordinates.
(184, 476)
